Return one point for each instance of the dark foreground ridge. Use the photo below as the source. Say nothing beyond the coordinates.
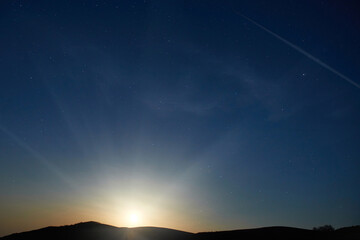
(98, 231)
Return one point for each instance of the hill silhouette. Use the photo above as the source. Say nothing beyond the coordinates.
(97, 231)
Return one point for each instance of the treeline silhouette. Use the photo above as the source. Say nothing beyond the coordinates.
(325, 228)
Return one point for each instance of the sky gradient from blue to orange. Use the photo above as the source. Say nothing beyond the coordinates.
(184, 112)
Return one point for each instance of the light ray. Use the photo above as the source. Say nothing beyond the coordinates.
(50, 166)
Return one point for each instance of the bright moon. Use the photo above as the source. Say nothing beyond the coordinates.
(133, 218)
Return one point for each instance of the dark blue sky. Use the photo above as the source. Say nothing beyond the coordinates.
(183, 110)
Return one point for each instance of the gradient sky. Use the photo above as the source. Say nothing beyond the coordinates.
(182, 111)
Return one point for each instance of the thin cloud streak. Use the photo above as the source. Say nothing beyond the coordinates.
(302, 51)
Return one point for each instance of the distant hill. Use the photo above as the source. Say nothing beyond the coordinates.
(97, 231)
(282, 233)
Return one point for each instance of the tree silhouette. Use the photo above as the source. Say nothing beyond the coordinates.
(325, 228)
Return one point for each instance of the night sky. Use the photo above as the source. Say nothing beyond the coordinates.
(194, 115)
